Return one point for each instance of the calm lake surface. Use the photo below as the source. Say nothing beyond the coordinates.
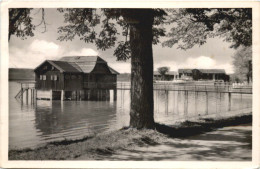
(33, 124)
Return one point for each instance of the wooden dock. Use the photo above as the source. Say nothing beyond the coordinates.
(26, 87)
(194, 88)
(30, 86)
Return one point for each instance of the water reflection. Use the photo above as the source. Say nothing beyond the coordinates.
(32, 123)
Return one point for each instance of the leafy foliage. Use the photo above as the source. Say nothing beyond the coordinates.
(193, 26)
(99, 26)
(20, 23)
(163, 70)
(242, 61)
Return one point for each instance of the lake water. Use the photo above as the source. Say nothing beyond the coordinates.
(32, 124)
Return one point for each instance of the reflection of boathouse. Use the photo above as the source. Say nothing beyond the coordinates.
(75, 78)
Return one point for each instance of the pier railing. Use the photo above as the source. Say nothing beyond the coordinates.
(163, 86)
(195, 88)
(104, 85)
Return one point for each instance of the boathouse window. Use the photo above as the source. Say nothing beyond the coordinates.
(43, 77)
(40, 77)
(54, 77)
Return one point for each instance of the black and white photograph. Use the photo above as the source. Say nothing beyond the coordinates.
(130, 84)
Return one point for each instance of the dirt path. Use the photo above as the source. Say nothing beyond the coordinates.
(225, 144)
(206, 139)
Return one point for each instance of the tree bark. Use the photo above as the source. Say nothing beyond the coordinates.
(141, 112)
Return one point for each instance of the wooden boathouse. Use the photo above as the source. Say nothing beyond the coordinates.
(75, 78)
(203, 74)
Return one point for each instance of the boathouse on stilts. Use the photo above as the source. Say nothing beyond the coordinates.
(75, 78)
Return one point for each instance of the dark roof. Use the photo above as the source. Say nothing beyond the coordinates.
(85, 63)
(216, 71)
(61, 66)
(77, 64)
(210, 71)
(113, 71)
(65, 66)
(83, 59)
(184, 70)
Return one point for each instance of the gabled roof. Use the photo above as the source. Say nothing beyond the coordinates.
(78, 59)
(184, 70)
(85, 63)
(61, 66)
(65, 66)
(209, 71)
(77, 64)
(113, 71)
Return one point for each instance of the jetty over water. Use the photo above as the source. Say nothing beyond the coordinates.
(219, 88)
(31, 86)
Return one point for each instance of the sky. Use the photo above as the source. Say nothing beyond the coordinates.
(34, 50)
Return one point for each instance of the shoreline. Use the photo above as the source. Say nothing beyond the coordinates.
(101, 145)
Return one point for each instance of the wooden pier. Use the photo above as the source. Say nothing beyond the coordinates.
(194, 88)
(27, 87)
(30, 86)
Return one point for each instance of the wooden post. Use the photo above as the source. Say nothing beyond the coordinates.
(196, 97)
(207, 102)
(76, 95)
(88, 94)
(173, 101)
(220, 98)
(185, 104)
(50, 95)
(31, 96)
(177, 101)
(101, 95)
(35, 94)
(107, 94)
(22, 94)
(62, 95)
(26, 95)
(115, 94)
(166, 101)
(229, 101)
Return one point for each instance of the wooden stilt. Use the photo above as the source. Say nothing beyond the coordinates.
(229, 101)
(196, 98)
(31, 96)
(207, 102)
(35, 94)
(22, 94)
(115, 94)
(62, 95)
(26, 96)
(51, 95)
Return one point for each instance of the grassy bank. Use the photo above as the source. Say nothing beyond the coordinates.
(94, 148)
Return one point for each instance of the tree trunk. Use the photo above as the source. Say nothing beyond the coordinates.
(141, 113)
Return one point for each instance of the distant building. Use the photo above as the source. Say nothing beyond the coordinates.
(76, 78)
(203, 74)
(171, 75)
